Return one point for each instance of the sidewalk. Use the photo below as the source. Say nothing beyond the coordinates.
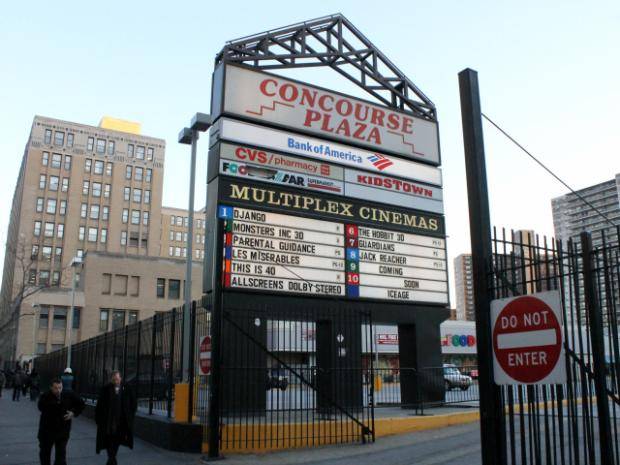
(19, 423)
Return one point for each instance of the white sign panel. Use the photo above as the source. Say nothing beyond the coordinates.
(403, 294)
(286, 285)
(246, 133)
(276, 100)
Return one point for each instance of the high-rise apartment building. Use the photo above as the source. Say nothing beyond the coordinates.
(571, 215)
(463, 278)
(80, 189)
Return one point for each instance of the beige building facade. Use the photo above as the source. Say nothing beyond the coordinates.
(81, 189)
(174, 230)
(464, 285)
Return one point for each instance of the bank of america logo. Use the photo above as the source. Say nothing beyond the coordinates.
(380, 162)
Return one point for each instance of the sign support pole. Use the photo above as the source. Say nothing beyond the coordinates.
(492, 428)
(598, 351)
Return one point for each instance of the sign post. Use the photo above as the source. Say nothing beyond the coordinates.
(528, 339)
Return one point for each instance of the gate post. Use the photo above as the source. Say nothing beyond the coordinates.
(492, 428)
(598, 350)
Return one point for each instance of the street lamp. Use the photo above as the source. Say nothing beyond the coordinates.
(201, 122)
(76, 263)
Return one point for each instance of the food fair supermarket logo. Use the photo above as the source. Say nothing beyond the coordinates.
(458, 340)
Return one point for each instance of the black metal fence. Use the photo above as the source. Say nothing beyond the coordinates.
(576, 422)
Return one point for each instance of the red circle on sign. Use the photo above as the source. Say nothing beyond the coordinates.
(527, 339)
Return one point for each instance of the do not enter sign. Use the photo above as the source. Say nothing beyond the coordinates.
(527, 339)
(205, 355)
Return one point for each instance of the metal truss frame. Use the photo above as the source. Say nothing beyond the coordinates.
(331, 41)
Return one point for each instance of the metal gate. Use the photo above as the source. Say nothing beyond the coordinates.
(279, 389)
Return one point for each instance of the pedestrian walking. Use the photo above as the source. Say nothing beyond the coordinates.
(114, 415)
(2, 381)
(68, 380)
(18, 381)
(57, 408)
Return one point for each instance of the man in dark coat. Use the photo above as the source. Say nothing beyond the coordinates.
(57, 409)
(114, 414)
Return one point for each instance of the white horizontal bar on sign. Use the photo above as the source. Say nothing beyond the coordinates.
(392, 198)
(402, 249)
(286, 285)
(403, 283)
(288, 272)
(257, 216)
(403, 295)
(253, 134)
(276, 245)
(287, 259)
(403, 260)
(525, 339)
(402, 271)
(286, 233)
(404, 238)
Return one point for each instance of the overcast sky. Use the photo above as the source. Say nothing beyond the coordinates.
(548, 73)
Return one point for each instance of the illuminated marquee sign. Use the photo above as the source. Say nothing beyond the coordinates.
(226, 129)
(276, 252)
(263, 97)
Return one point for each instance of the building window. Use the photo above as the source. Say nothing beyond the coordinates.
(128, 171)
(161, 288)
(65, 185)
(174, 289)
(88, 163)
(125, 216)
(94, 212)
(110, 147)
(177, 251)
(58, 252)
(63, 208)
(137, 195)
(68, 160)
(49, 229)
(135, 216)
(106, 284)
(41, 348)
(85, 187)
(43, 317)
(39, 207)
(126, 194)
(76, 318)
(104, 235)
(133, 239)
(60, 230)
(34, 254)
(134, 286)
(53, 183)
(51, 206)
(179, 236)
(70, 138)
(139, 173)
(32, 276)
(56, 160)
(101, 146)
(37, 228)
(104, 316)
(44, 278)
(60, 318)
(171, 220)
(105, 213)
(46, 253)
(81, 233)
(184, 237)
(184, 251)
(140, 152)
(197, 253)
(171, 235)
(123, 237)
(55, 278)
(59, 138)
(46, 158)
(96, 189)
(120, 284)
(132, 317)
(149, 174)
(99, 167)
(42, 181)
(171, 251)
(149, 153)
(118, 319)
(48, 136)
(83, 210)
(147, 196)
(106, 191)
(186, 221)
(108, 169)
(145, 218)
(130, 150)
(91, 143)
(179, 221)
(92, 234)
